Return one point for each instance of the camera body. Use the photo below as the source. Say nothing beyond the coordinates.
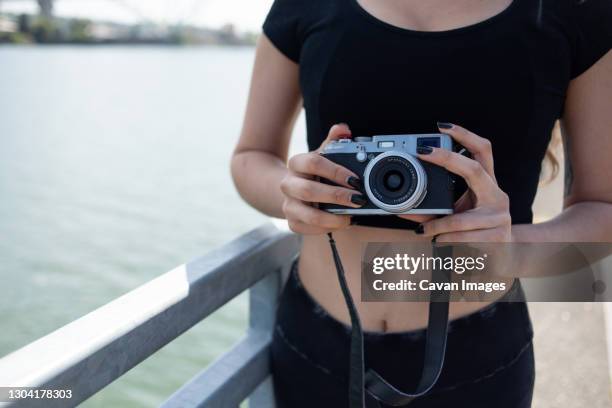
(394, 179)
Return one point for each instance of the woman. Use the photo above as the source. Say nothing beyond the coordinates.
(499, 74)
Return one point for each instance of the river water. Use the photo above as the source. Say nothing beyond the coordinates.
(113, 170)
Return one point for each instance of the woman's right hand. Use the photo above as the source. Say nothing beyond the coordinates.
(301, 189)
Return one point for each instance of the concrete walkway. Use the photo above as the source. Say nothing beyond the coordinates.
(570, 338)
(571, 356)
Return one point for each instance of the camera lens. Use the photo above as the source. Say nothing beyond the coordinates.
(395, 181)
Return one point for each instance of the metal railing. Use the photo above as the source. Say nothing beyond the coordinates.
(91, 352)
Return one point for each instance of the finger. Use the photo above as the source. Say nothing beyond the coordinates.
(472, 171)
(337, 131)
(466, 221)
(315, 192)
(297, 210)
(464, 202)
(484, 235)
(301, 228)
(313, 164)
(478, 146)
(417, 217)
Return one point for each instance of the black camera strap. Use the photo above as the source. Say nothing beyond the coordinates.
(379, 390)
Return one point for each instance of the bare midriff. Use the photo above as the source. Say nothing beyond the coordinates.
(318, 274)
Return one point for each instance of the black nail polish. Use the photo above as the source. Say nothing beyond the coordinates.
(424, 150)
(354, 182)
(445, 125)
(419, 230)
(358, 199)
(434, 239)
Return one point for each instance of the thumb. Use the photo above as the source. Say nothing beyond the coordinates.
(337, 131)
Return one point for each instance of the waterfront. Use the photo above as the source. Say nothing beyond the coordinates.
(113, 170)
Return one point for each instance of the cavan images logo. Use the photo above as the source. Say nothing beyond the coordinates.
(411, 265)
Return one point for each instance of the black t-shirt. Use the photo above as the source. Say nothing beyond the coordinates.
(504, 78)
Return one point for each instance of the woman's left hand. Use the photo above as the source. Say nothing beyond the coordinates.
(482, 214)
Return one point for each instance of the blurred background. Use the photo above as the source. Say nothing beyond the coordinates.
(117, 121)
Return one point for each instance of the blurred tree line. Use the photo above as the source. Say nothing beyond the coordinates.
(26, 28)
(38, 29)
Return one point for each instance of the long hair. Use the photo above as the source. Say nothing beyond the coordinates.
(551, 165)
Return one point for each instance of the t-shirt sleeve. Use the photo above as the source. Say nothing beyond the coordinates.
(592, 22)
(282, 27)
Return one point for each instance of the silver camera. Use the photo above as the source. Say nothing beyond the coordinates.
(394, 179)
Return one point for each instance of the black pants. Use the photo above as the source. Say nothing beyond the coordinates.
(489, 358)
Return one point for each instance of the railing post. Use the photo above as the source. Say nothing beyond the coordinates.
(263, 299)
